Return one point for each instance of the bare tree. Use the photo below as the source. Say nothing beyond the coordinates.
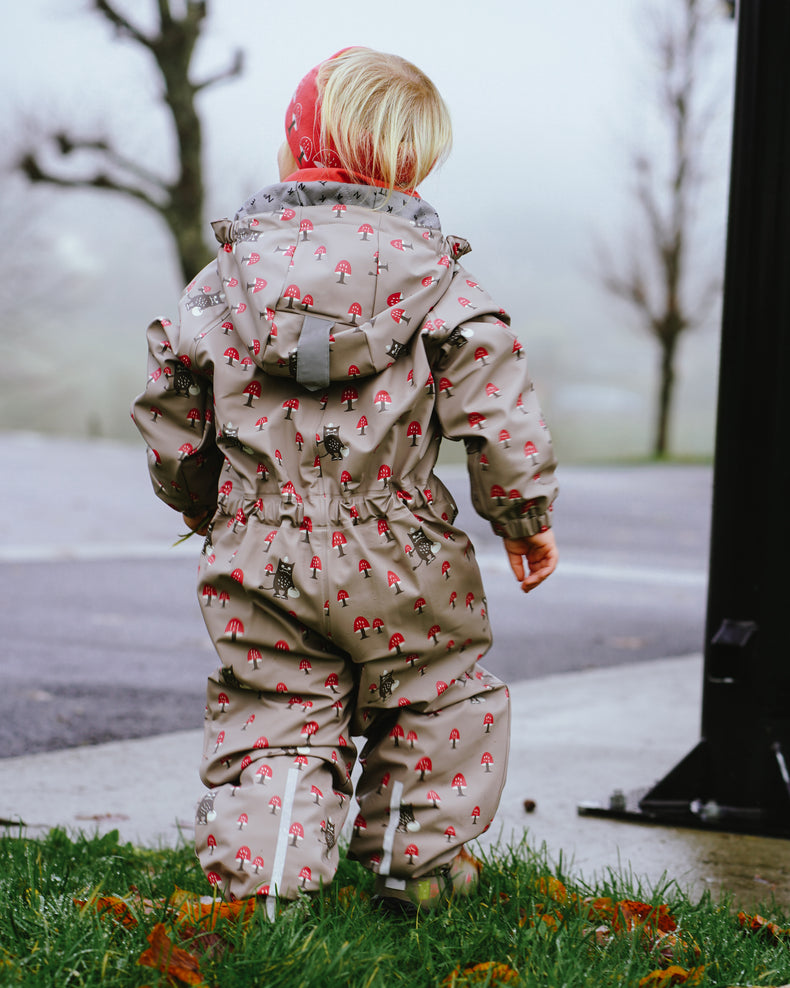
(658, 280)
(179, 202)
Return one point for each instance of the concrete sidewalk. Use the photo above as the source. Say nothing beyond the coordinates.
(576, 737)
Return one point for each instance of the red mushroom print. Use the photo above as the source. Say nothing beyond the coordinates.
(290, 405)
(366, 231)
(288, 492)
(393, 580)
(531, 452)
(214, 878)
(230, 355)
(332, 682)
(300, 761)
(498, 494)
(254, 657)
(305, 875)
(315, 566)
(504, 439)
(338, 209)
(419, 603)
(309, 729)
(299, 441)
(306, 666)
(441, 687)
(383, 400)
(476, 420)
(434, 798)
(488, 722)
(209, 592)
(475, 814)
(242, 821)
(424, 766)
(224, 596)
(385, 472)
(338, 541)
(360, 825)
(343, 269)
(261, 743)
(342, 597)
(446, 570)
(487, 760)
(384, 781)
(319, 252)
(239, 519)
(396, 734)
(337, 706)
(433, 633)
(263, 773)
(361, 624)
(412, 737)
(193, 416)
(223, 702)
(186, 450)
(411, 853)
(459, 784)
(455, 737)
(292, 294)
(211, 843)
(220, 741)
(362, 425)
(305, 227)
(257, 864)
(243, 854)
(518, 349)
(296, 832)
(234, 628)
(470, 600)
(364, 568)
(275, 805)
(306, 526)
(354, 310)
(453, 597)
(378, 625)
(308, 303)
(481, 356)
(396, 641)
(450, 834)
(445, 387)
(256, 286)
(349, 396)
(354, 371)
(492, 391)
(414, 432)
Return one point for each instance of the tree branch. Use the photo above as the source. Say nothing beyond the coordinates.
(121, 23)
(68, 145)
(234, 69)
(31, 168)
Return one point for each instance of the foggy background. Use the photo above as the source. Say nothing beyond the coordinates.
(548, 101)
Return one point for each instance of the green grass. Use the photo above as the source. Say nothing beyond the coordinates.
(337, 940)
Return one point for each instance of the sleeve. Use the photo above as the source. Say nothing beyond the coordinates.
(485, 398)
(175, 417)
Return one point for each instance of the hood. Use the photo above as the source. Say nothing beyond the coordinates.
(330, 281)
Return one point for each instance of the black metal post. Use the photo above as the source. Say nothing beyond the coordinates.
(737, 777)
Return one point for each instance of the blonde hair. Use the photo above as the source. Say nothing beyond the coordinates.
(384, 117)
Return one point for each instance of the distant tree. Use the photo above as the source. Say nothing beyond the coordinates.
(655, 276)
(179, 202)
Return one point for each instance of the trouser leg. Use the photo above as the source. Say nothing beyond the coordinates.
(277, 758)
(431, 781)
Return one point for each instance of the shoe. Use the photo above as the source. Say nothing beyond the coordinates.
(408, 896)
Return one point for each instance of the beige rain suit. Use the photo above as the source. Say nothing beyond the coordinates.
(301, 398)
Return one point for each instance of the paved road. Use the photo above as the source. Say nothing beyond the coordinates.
(101, 636)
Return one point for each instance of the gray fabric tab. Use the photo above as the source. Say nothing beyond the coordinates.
(312, 365)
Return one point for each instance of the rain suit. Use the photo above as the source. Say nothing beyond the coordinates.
(301, 398)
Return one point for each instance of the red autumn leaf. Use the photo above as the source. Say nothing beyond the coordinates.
(758, 924)
(673, 975)
(488, 973)
(177, 964)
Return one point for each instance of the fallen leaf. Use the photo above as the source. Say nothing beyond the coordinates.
(206, 911)
(673, 975)
(490, 972)
(758, 924)
(179, 966)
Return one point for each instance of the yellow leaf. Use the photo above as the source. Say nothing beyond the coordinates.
(179, 966)
(672, 975)
(492, 972)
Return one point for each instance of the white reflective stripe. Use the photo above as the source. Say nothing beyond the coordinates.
(392, 826)
(282, 840)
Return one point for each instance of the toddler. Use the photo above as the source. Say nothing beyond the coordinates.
(294, 414)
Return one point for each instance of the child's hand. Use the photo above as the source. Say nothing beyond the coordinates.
(541, 554)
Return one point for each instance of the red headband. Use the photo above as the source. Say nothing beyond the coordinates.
(303, 124)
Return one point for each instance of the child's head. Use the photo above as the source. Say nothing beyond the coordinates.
(376, 115)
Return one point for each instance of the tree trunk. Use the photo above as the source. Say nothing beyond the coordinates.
(665, 394)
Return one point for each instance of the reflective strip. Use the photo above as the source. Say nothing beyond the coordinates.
(282, 841)
(312, 363)
(392, 826)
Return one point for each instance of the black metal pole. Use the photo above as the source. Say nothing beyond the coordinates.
(737, 777)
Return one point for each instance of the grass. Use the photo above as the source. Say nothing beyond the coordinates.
(527, 918)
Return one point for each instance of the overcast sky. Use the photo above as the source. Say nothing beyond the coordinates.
(547, 100)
